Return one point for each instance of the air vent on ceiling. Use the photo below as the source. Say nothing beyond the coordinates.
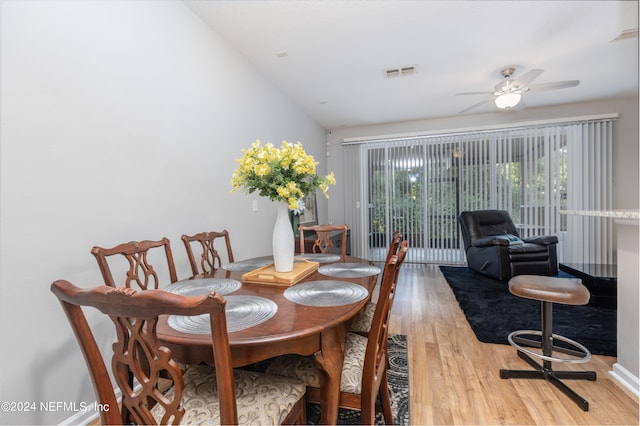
(402, 71)
(408, 70)
(392, 72)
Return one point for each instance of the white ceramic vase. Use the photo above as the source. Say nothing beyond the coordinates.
(283, 243)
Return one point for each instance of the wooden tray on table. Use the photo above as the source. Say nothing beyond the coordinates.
(302, 268)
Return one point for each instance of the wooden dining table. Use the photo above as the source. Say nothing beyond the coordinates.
(294, 328)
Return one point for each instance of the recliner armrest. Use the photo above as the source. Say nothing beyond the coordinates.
(544, 240)
(489, 241)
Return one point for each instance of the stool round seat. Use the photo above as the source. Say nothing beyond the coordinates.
(567, 291)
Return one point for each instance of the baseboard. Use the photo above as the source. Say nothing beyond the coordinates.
(625, 378)
(91, 415)
(84, 417)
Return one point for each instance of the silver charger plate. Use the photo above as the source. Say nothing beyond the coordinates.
(325, 293)
(319, 257)
(202, 286)
(242, 312)
(349, 270)
(249, 264)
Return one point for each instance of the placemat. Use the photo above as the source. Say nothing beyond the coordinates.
(325, 293)
(249, 264)
(349, 270)
(242, 312)
(319, 257)
(202, 286)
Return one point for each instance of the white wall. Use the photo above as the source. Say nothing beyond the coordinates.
(120, 120)
(625, 150)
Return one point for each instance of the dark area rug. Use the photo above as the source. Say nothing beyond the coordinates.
(398, 388)
(493, 313)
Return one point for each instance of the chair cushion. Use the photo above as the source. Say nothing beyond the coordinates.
(544, 240)
(363, 323)
(527, 248)
(261, 399)
(304, 368)
(528, 253)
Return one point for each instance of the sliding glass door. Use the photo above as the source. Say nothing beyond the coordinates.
(414, 189)
(419, 186)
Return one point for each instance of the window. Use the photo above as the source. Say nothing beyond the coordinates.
(419, 186)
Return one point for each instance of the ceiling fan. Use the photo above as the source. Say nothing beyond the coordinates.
(508, 93)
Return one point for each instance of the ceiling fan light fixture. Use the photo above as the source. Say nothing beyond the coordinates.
(508, 100)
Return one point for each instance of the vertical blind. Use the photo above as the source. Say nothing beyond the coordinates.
(420, 185)
(590, 188)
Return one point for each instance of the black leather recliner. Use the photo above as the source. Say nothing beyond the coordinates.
(494, 248)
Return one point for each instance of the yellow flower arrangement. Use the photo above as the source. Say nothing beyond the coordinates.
(286, 174)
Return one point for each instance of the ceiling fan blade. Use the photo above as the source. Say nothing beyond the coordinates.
(528, 77)
(477, 105)
(554, 85)
(475, 93)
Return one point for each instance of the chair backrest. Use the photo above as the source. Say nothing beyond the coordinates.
(376, 353)
(396, 239)
(485, 223)
(140, 271)
(323, 243)
(208, 254)
(137, 349)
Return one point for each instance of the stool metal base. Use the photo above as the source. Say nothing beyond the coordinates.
(545, 371)
(578, 352)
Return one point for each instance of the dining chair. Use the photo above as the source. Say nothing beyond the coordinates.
(363, 323)
(323, 243)
(140, 271)
(209, 255)
(207, 394)
(364, 370)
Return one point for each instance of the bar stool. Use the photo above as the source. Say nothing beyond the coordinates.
(549, 290)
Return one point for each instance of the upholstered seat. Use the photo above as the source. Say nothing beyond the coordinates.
(261, 399)
(363, 323)
(305, 369)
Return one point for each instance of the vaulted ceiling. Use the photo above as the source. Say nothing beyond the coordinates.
(333, 57)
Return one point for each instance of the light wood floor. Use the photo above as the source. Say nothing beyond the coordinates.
(454, 378)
